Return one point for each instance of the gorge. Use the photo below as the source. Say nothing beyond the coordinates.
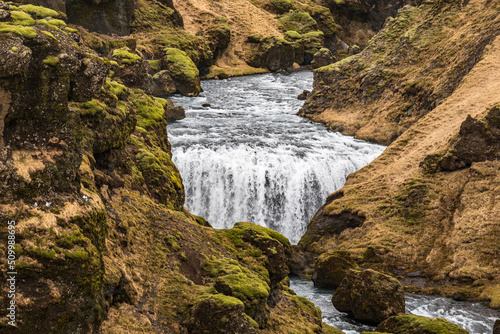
(114, 222)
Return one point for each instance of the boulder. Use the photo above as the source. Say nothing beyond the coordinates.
(303, 95)
(272, 53)
(322, 58)
(163, 84)
(175, 114)
(369, 296)
(496, 327)
(413, 324)
(183, 71)
(219, 314)
(331, 268)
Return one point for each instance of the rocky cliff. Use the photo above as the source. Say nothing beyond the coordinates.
(427, 209)
(102, 240)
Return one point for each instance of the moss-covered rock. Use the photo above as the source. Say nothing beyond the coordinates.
(269, 52)
(218, 36)
(280, 6)
(322, 58)
(131, 69)
(369, 296)
(196, 47)
(163, 83)
(413, 324)
(183, 71)
(331, 268)
(219, 314)
(298, 21)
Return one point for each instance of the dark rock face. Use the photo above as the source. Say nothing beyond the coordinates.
(175, 113)
(272, 53)
(324, 225)
(360, 19)
(132, 70)
(107, 17)
(369, 296)
(322, 58)
(496, 327)
(331, 268)
(303, 95)
(163, 84)
(412, 324)
(477, 141)
(218, 36)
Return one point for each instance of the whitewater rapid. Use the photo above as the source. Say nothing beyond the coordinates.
(249, 157)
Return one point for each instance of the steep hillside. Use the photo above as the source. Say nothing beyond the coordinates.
(410, 67)
(428, 207)
(102, 240)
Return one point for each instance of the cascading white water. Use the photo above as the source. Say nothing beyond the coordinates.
(248, 157)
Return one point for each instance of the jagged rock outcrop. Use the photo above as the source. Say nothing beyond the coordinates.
(413, 324)
(428, 204)
(369, 296)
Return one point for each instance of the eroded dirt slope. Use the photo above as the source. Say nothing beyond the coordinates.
(429, 205)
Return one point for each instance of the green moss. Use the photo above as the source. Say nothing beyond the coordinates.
(155, 64)
(119, 90)
(78, 255)
(292, 35)
(125, 56)
(252, 322)
(407, 323)
(52, 23)
(172, 242)
(244, 284)
(305, 304)
(48, 34)
(195, 47)
(68, 29)
(52, 61)
(45, 253)
(38, 11)
(92, 107)
(149, 110)
(180, 63)
(22, 18)
(313, 34)
(221, 300)
(263, 231)
(300, 22)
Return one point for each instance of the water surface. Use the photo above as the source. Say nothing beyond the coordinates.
(249, 157)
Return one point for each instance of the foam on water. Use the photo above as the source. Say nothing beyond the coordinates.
(248, 157)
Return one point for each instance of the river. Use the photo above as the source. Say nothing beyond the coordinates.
(245, 155)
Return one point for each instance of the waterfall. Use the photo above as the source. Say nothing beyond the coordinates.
(248, 157)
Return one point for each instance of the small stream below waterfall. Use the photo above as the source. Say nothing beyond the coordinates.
(246, 156)
(475, 317)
